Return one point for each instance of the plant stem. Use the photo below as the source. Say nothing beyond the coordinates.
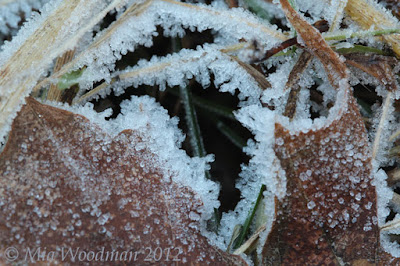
(249, 219)
(196, 140)
(343, 35)
(209, 106)
(361, 49)
(231, 134)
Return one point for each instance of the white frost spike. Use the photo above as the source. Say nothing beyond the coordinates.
(26, 58)
(137, 26)
(10, 11)
(163, 139)
(178, 68)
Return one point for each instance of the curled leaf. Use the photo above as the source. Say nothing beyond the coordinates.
(329, 214)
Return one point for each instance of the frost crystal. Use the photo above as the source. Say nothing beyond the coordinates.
(147, 118)
(10, 13)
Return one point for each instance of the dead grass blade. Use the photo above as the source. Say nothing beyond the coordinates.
(59, 32)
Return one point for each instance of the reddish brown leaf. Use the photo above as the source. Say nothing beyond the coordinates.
(66, 184)
(321, 26)
(330, 209)
(329, 215)
(380, 67)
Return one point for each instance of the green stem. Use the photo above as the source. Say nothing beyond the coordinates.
(343, 35)
(361, 49)
(214, 108)
(196, 140)
(69, 79)
(365, 107)
(230, 134)
(249, 219)
(209, 106)
(293, 4)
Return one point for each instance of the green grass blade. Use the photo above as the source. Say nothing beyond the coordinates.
(249, 219)
(361, 49)
(196, 139)
(237, 140)
(70, 79)
(209, 106)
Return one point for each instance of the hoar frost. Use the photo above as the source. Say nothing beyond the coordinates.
(147, 118)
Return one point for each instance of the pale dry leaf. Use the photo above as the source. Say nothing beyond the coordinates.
(338, 15)
(178, 68)
(369, 14)
(148, 14)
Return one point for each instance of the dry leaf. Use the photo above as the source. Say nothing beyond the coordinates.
(330, 211)
(67, 185)
(256, 74)
(378, 66)
(329, 215)
(23, 63)
(369, 14)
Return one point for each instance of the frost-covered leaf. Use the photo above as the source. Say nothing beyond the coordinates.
(137, 26)
(67, 183)
(330, 212)
(330, 209)
(178, 68)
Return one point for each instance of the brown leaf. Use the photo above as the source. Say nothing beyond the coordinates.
(380, 67)
(329, 215)
(66, 184)
(330, 210)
